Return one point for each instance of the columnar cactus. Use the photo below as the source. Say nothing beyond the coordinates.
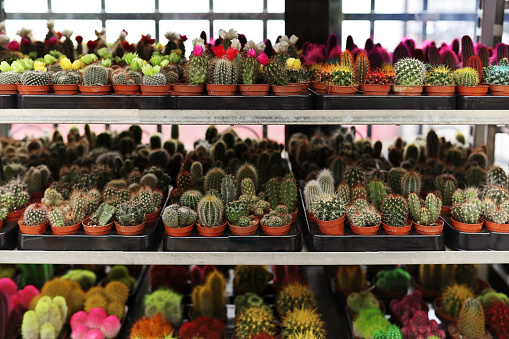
(272, 190)
(453, 298)
(224, 72)
(377, 193)
(273, 72)
(229, 188)
(250, 68)
(395, 210)
(213, 179)
(468, 212)
(362, 67)
(471, 322)
(14, 197)
(326, 181)
(428, 214)
(354, 176)
(394, 177)
(288, 193)
(191, 198)
(312, 193)
(149, 199)
(184, 180)
(210, 211)
(197, 68)
(410, 72)
(35, 214)
(247, 171)
(411, 183)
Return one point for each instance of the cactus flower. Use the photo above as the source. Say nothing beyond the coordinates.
(25, 42)
(251, 53)
(164, 63)
(49, 59)
(198, 50)
(231, 53)
(219, 51)
(40, 66)
(13, 45)
(76, 65)
(53, 41)
(263, 59)
(66, 64)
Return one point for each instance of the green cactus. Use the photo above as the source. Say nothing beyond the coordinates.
(130, 213)
(213, 179)
(411, 183)
(468, 212)
(272, 190)
(175, 216)
(149, 199)
(471, 322)
(223, 72)
(184, 180)
(496, 176)
(251, 278)
(263, 166)
(395, 210)
(247, 171)
(275, 73)
(342, 76)
(343, 191)
(288, 193)
(394, 177)
(210, 211)
(354, 176)
(35, 78)
(362, 214)
(250, 70)
(326, 181)
(428, 214)
(294, 295)
(337, 167)
(275, 219)
(229, 188)
(68, 77)
(191, 198)
(466, 76)
(475, 176)
(103, 215)
(312, 192)
(329, 207)
(410, 72)
(253, 320)
(95, 75)
(209, 299)
(235, 210)
(152, 76)
(197, 174)
(197, 70)
(440, 76)
(453, 298)
(377, 193)
(35, 214)
(361, 300)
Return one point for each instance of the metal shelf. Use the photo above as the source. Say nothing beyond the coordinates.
(254, 258)
(255, 117)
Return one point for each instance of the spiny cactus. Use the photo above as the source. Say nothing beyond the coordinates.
(213, 179)
(395, 210)
(152, 76)
(354, 176)
(288, 193)
(440, 76)
(35, 214)
(410, 72)
(377, 193)
(223, 72)
(251, 278)
(301, 320)
(247, 171)
(312, 192)
(103, 215)
(190, 198)
(35, 78)
(210, 211)
(394, 177)
(362, 214)
(342, 76)
(466, 76)
(326, 181)
(274, 73)
(130, 213)
(468, 212)
(428, 214)
(329, 207)
(496, 176)
(471, 322)
(175, 216)
(229, 188)
(253, 320)
(235, 210)
(453, 298)
(294, 295)
(208, 299)
(95, 75)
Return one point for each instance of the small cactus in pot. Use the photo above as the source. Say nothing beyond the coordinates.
(363, 214)
(102, 216)
(237, 214)
(329, 207)
(176, 216)
(130, 213)
(210, 211)
(34, 215)
(10, 75)
(152, 76)
(426, 213)
(395, 210)
(468, 211)
(276, 219)
(14, 196)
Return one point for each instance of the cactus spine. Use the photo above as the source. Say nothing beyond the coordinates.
(210, 211)
(395, 210)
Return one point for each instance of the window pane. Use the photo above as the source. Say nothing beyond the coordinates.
(390, 6)
(389, 41)
(120, 6)
(191, 28)
(358, 29)
(63, 6)
(134, 28)
(85, 28)
(27, 6)
(38, 27)
(275, 28)
(359, 6)
(446, 31)
(414, 31)
(228, 6)
(458, 6)
(414, 6)
(252, 29)
(188, 6)
(276, 6)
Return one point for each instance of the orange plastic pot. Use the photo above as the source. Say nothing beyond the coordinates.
(1, 223)
(221, 90)
(372, 89)
(249, 230)
(66, 230)
(15, 215)
(155, 90)
(286, 90)
(34, 230)
(369, 230)
(211, 231)
(445, 210)
(33, 90)
(276, 231)
(179, 231)
(65, 89)
(9, 89)
(441, 91)
(407, 90)
(95, 90)
(127, 89)
(494, 227)
(479, 90)
(319, 87)
(468, 228)
(310, 216)
(152, 217)
(333, 227)
(430, 230)
(294, 214)
(96, 230)
(303, 86)
(130, 230)
(341, 90)
(393, 230)
(254, 89)
(187, 90)
(501, 90)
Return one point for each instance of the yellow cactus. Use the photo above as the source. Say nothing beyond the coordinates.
(304, 320)
(65, 63)
(77, 64)
(40, 66)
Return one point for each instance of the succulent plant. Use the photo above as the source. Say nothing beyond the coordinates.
(46, 320)
(95, 75)
(369, 322)
(130, 213)
(425, 214)
(236, 210)
(276, 219)
(14, 196)
(210, 211)
(274, 72)
(294, 295)
(411, 183)
(190, 198)
(343, 76)
(466, 76)
(361, 300)
(312, 191)
(329, 207)
(103, 215)
(468, 212)
(208, 299)
(35, 214)
(418, 323)
(149, 199)
(152, 76)
(497, 75)
(471, 322)
(363, 214)
(376, 77)
(67, 77)
(175, 216)
(393, 280)
(395, 210)
(123, 76)
(439, 76)
(251, 278)
(496, 176)
(253, 320)
(223, 71)
(301, 320)
(166, 302)
(410, 72)
(35, 78)
(453, 298)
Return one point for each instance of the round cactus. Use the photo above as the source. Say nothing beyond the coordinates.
(466, 76)
(410, 72)
(411, 183)
(191, 198)
(35, 214)
(210, 211)
(213, 179)
(395, 210)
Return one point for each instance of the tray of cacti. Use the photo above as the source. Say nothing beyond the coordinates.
(124, 221)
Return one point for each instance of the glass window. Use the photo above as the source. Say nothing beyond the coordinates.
(120, 6)
(252, 29)
(188, 6)
(228, 6)
(275, 28)
(390, 6)
(389, 41)
(64, 6)
(27, 6)
(358, 29)
(38, 27)
(359, 6)
(414, 30)
(446, 31)
(191, 28)
(276, 6)
(454, 6)
(85, 28)
(414, 6)
(134, 32)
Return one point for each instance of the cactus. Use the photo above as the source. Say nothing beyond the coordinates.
(103, 215)
(276, 219)
(496, 176)
(68, 77)
(467, 48)
(197, 174)
(35, 78)
(329, 207)
(466, 76)
(364, 299)
(362, 67)
(411, 183)
(475, 176)
(395, 210)
(465, 274)
(275, 73)
(175, 216)
(190, 198)
(362, 214)
(476, 63)
(342, 76)
(166, 302)
(453, 298)
(184, 180)
(197, 68)
(253, 320)
(251, 278)
(288, 193)
(337, 168)
(428, 214)
(250, 68)
(210, 211)
(234, 211)
(312, 193)
(394, 177)
(152, 76)
(35, 214)
(301, 320)
(247, 171)
(440, 76)
(130, 213)
(346, 59)
(326, 181)
(471, 322)
(294, 295)
(354, 176)
(468, 212)
(272, 190)
(208, 300)
(377, 193)
(223, 72)
(149, 199)
(410, 72)
(213, 179)
(229, 188)
(95, 75)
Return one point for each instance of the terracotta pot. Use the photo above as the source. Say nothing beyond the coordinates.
(96, 230)
(130, 230)
(34, 230)
(430, 294)
(437, 305)
(127, 89)
(303, 86)
(398, 317)
(494, 227)
(155, 90)
(371, 89)
(294, 214)
(221, 90)
(392, 230)
(37, 195)
(369, 230)
(249, 230)
(286, 90)
(15, 215)
(187, 90)
(479, 90)
(276, 230)
(33, 90)
(152, 217)
(407, 90)
(65, 89)
(311, 217)
(9, 89)
(445, 210)
(429, 230)
(469, 228)
(179, 231)
(501, 90)
(66, 230)
(341, 90)
(386, 294)
(1, 223)
(333, 227)
(95, 90)
(319, 87)
(255, 89)
(441, 91)
(211, 231)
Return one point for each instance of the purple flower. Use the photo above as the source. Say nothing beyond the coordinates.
(13, 45)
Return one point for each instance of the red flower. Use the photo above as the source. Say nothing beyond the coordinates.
(219, 51)
(126, 46)
(231, 53)
(147, 40)
(91, 44)
(59, 35)
(79, 38)
(25, 42)
(183, 37)
(13, 45)
(263, 59)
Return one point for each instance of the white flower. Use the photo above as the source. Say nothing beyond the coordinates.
(67, 33)
(4, 40)
(199, 41)
(50, 24)
(250, 44)
(172, 36)
(236, 44)
(293, 40)
(281, 47)
(284, 38)
(231, 34)
(260, 47)
(24, 32)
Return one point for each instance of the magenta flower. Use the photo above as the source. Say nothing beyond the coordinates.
(13, 45)
(251, 53)
(53, 41)
(263, 59)
(25, 42)
(198, 50)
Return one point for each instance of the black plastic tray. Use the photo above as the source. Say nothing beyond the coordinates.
(489, 102)
(463, 240)
(9, 235)
(8, 101)
(325, 101)
(292, 102)
(93, 101)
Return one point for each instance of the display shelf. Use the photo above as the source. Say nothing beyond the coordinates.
(52, 101)
(255, 117)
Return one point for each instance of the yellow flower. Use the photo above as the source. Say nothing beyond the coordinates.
(144, 62)
(77, 64)
(65, 63)
(159, 47)
(293, 63)
(177, 51)
(297, 64)
(39, 66)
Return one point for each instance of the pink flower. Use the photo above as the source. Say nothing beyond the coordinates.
(110, 326)
(198, 50)
(219, 51)
(53, 41)
(231, 53)
(13, 45)
(263, 59)
(25, 42)
(251, 53)
(183, 37)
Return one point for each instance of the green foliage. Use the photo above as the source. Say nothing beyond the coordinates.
(393, 280)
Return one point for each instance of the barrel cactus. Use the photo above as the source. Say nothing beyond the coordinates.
(329, 207)
(410, 72)
(466, 77)
(95, 75)
(395, 210)
(210, 211)
(35, 214)
(191, 198)
(175, 216)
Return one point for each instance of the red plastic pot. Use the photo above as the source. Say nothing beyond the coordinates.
(152, 217)
(33, 90)
(179, 231)
(95, 90)
(373, 89)
(66, 230)
(155, 90)
(276, 231)
(407, 90)
(294, 214)
(366, 230)
(126, 89)
(494, 227)
(249, 230)
(9, 89)
(479, 90)
(130, 230)
(430, 230)
(441, 91)
(393, 230)
(254, 89)
(333, 227)
(319, 87)
(96, 230)
(15, 215)
(501, 90)
(341, 90)
(1, 223)
(211, 231)
(310, 216)
(34, 230)
(468, 228)
(221, 90)
(445, 210)
(65, 89)
(187, 90)
(286, 90)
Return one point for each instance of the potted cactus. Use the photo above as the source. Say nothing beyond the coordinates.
(127, 81)
(130, 218)
(250, 74)
(36, 81)
(275, 74)
(196, 71)
(471, 322)
(154, 82)
(392, 283)
(210, 216)
(178, 220)
(466, 212)
(66, 219)
(342, 81)
(101, 221)
(364, 218)
(15, 198)
(276, 222)
(297, 74)
(223, 70)
(356, 301)
(329, 214)
(47, 319)
(426, 218)
(10, 77)
(497, 77)
(151, 201)
(66, 81)
(439, 81)
(36, 180)
(376, 83)
(410, 75)
(444, 189)
(448, 306)
(255, 322)
(395, 215)
(3, 214)
(468, 80)
(239, 221)
(496, 215)
(35, 219)
(95, 77)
